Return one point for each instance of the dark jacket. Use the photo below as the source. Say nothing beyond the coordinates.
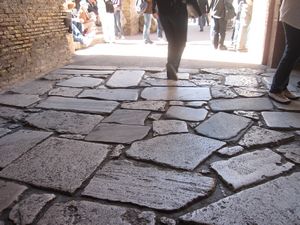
(203, 5)
(170, 7)
(217, 9)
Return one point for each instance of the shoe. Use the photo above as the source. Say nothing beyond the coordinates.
(279, 97)
(289, 95)
(298, 84)
(148, 42)
(222, 47)
(171, 72)
(201, 30)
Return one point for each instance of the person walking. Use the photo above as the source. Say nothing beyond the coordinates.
(290, 18)
(117, 16)
(174, 19)
(204, 8)
(147, 22)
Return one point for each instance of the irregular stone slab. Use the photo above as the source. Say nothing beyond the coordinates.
(250, 168)
(162, 127)
(168, 150)
(89, 67)
(36, 87)
(206, 82)
(248, 114)
(84, 212)
(146, 105)
(65, 92)
(55, 77)
(286, 120)
(130, 117)
(196, 104)
(167, 221)
(123, 181)
(293, 106)
(188, 70)
(14, 145)
(222, 92)
(12, 113)
(3, 121)
(246, 104)
(291, 151)
(9, 192)
(186, 113)
(231, 151)
(4, 131)
(64, 122)
(112, 94)
(125, 78)
(260, 137)
(18, 100)
(241, 81)
(170, 83)
(155, 116)
(163, 75)
(250, 92)
(275, 202)
(206, 76)
(81, 82)
(176, 93)
(177, 103)
(78, 105)
(27, 210)
(118, 133)
(232, 71)
(223, 126)
(60, 164)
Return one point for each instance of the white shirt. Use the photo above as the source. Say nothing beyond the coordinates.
(290, 13)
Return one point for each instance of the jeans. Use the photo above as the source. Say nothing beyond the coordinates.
(290, 56)
(118, 26)
(159, 29)
(147, 25)
(218, 31)
(201, 21)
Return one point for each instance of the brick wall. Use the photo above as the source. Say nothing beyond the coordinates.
(33, 39)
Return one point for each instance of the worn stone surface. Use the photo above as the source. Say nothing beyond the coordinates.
(207, 76)
(4, 131)
(125, 78)
(111, 94)
(162, 127)
(248, 114)
(57, 163)
(26, 211)
(206, 82)
(291, 151)
(288, 120)
(250, 92)
(176, 93)
(168, 150)
(147, 186)
(232, 71)
(251, 168)
(84, 213)
(125, 116)
(258, 137)
(65, 92)
(196, 104)
(163, 75)
(12, 113)
(9, 192)
(18, 100)
(169, 83)
(186, 113)
(241, 81)
(3, 122)
(37, 87)
(223, 126)
(78, 105)
(167, 221)
(88, 67)
(231, 151)
(118, 133)
(81, 82)
(55, 77)
(177, 103)
(222, 92)
(155, 116)
(64, 122)
(246, 104)
(275, 202)
(159, 106)
(293, 106)
(14, 145)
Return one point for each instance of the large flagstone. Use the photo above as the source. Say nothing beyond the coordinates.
(290, 151)
(184, 151)
(130, 117)
(145, 105)
(176, 93)
(36, 87)
(169, 83)
(18, 100)
(123, 181)
(293, 106)
(162, 127)
(81, 82)
(125, 78)
(111, 94)
(57, 163)
(88, 67)
(241, 81)
(275, 202)
(186, 113)
(282, 119)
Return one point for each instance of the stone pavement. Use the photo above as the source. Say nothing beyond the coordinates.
(92, 145)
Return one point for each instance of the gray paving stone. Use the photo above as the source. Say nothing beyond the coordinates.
(231, 151)
(248, 114)
(250, 92)
(188, 70)
(206, 76)
(275, 202)
(55, 77)
(27, 210)
(118, 133)
(90, 213)
(125, 116)
(223, 126)
(177, 103)
(65, 92)
(9, 192)
(232, 71)
(241, 81)
(196, 104)
(163, 75)
(167, 221)
(64, 122)
(260, 137)
(282, 119)
(112, 94)
(72, 136)
(176, 93)
(206, 82)
(159, 106)
(125, 78)
(162, 127)
(293, 106)
(12, 113)
(60, 164)
(222, 92)
(155, 116)
(185, 151)
(14, 145)
(18, 100)
(169, 83)
(81, 82)
(291, 151)
(78, 105)
(251, 168)
(3, 121)
(186, 113)
(123, 181)
(88, 67)
(36, 87)
(246, 104)
(4, 131)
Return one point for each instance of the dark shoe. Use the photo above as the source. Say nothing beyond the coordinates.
(148, 42)
(222, 47)
(171, 72)
(290, 95)
(201, 30)
(298, 84)
(279, 97)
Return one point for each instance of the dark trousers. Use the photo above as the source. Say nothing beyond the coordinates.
(290, 56)
(218, 31)
(175, 28)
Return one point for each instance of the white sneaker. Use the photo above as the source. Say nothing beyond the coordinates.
(279, 97)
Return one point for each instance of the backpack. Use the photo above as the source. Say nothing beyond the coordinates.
(141, 6)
